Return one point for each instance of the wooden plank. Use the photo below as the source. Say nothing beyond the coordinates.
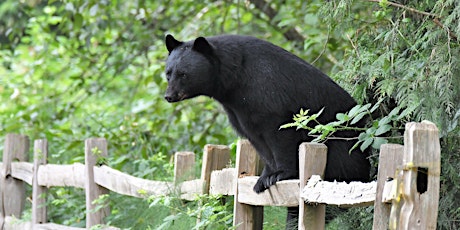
(389, 159)
(13, 195)
(61, 175)
(247, 164)
(125, 184)
(223, 182)
(283, 193)
(22, 171)
(414, 209)
(95, 151)
(52, 226)
(190, 189)
(13, 223)
(389, 194)
(215, 157)
(341, 194)
(39, 193)
(184, 166)
(312, 161)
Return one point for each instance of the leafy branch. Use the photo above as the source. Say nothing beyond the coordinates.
(369, 136)
(430, 15)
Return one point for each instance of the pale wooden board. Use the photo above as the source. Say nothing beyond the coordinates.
(389, 193)
(312, 161)
(415, 210)
(190, 189)
(39, 193)
(215, 157)
(51, 226)
(184, 163)
(223, 182)
(283, 193)
(22, 171)
(339, 193)
(123, 183)
(12, 223)
(15, 149)
(248, 163)
(61, 175)
(390, 158)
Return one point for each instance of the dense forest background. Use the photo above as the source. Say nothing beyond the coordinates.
(74, 69)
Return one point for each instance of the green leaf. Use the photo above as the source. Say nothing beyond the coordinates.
(394, 112)
(362, 136)
(353, 111)
(342, 117)
(316, 115)
(382, 129)
(378, 141)
(364, 108)
(358, 118)
(366, 144)
(354, 146)
(77, 21)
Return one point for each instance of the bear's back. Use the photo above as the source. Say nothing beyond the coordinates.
(285, 81)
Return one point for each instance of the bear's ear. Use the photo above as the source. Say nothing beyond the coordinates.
(202, 45)
(172, 43)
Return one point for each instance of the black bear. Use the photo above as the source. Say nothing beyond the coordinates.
(261, 86)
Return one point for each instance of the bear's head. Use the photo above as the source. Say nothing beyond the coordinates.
(190, 69)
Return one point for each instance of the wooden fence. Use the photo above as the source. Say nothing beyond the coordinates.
(409, 200)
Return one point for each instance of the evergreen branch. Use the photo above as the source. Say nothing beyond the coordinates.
(407, 8)
(449, 32)
(430, 15)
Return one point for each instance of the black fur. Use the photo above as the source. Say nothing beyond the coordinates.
(261, 86)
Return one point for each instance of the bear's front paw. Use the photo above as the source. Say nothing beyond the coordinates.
(265, 181)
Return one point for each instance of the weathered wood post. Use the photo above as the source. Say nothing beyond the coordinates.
(39, 192)
(95, 152)
(416, 204)
(247, 217)
(12, 195)
(312, 161)
(184, 165)
(389, 159)
(215, 157)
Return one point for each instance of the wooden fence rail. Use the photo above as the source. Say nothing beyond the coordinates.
(405, 194)
(95, 178)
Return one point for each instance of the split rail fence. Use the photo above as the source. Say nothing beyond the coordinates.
(405, 195)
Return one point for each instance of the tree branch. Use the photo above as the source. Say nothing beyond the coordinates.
(407, 8)
(291, 34)
(430, 15)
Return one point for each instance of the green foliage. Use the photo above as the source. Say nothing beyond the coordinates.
(375, 135)
(406, 55)
(208, 212)
(70, 70)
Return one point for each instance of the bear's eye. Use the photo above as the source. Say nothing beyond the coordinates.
(168, 75)
(182, 75)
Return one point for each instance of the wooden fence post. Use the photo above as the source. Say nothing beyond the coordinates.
(95, 152)
(184, 165)
(39, 192)
(247, 217)
(12, 197)
(312, 161)
(389, 159)
(416, 206)
(215, 157)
